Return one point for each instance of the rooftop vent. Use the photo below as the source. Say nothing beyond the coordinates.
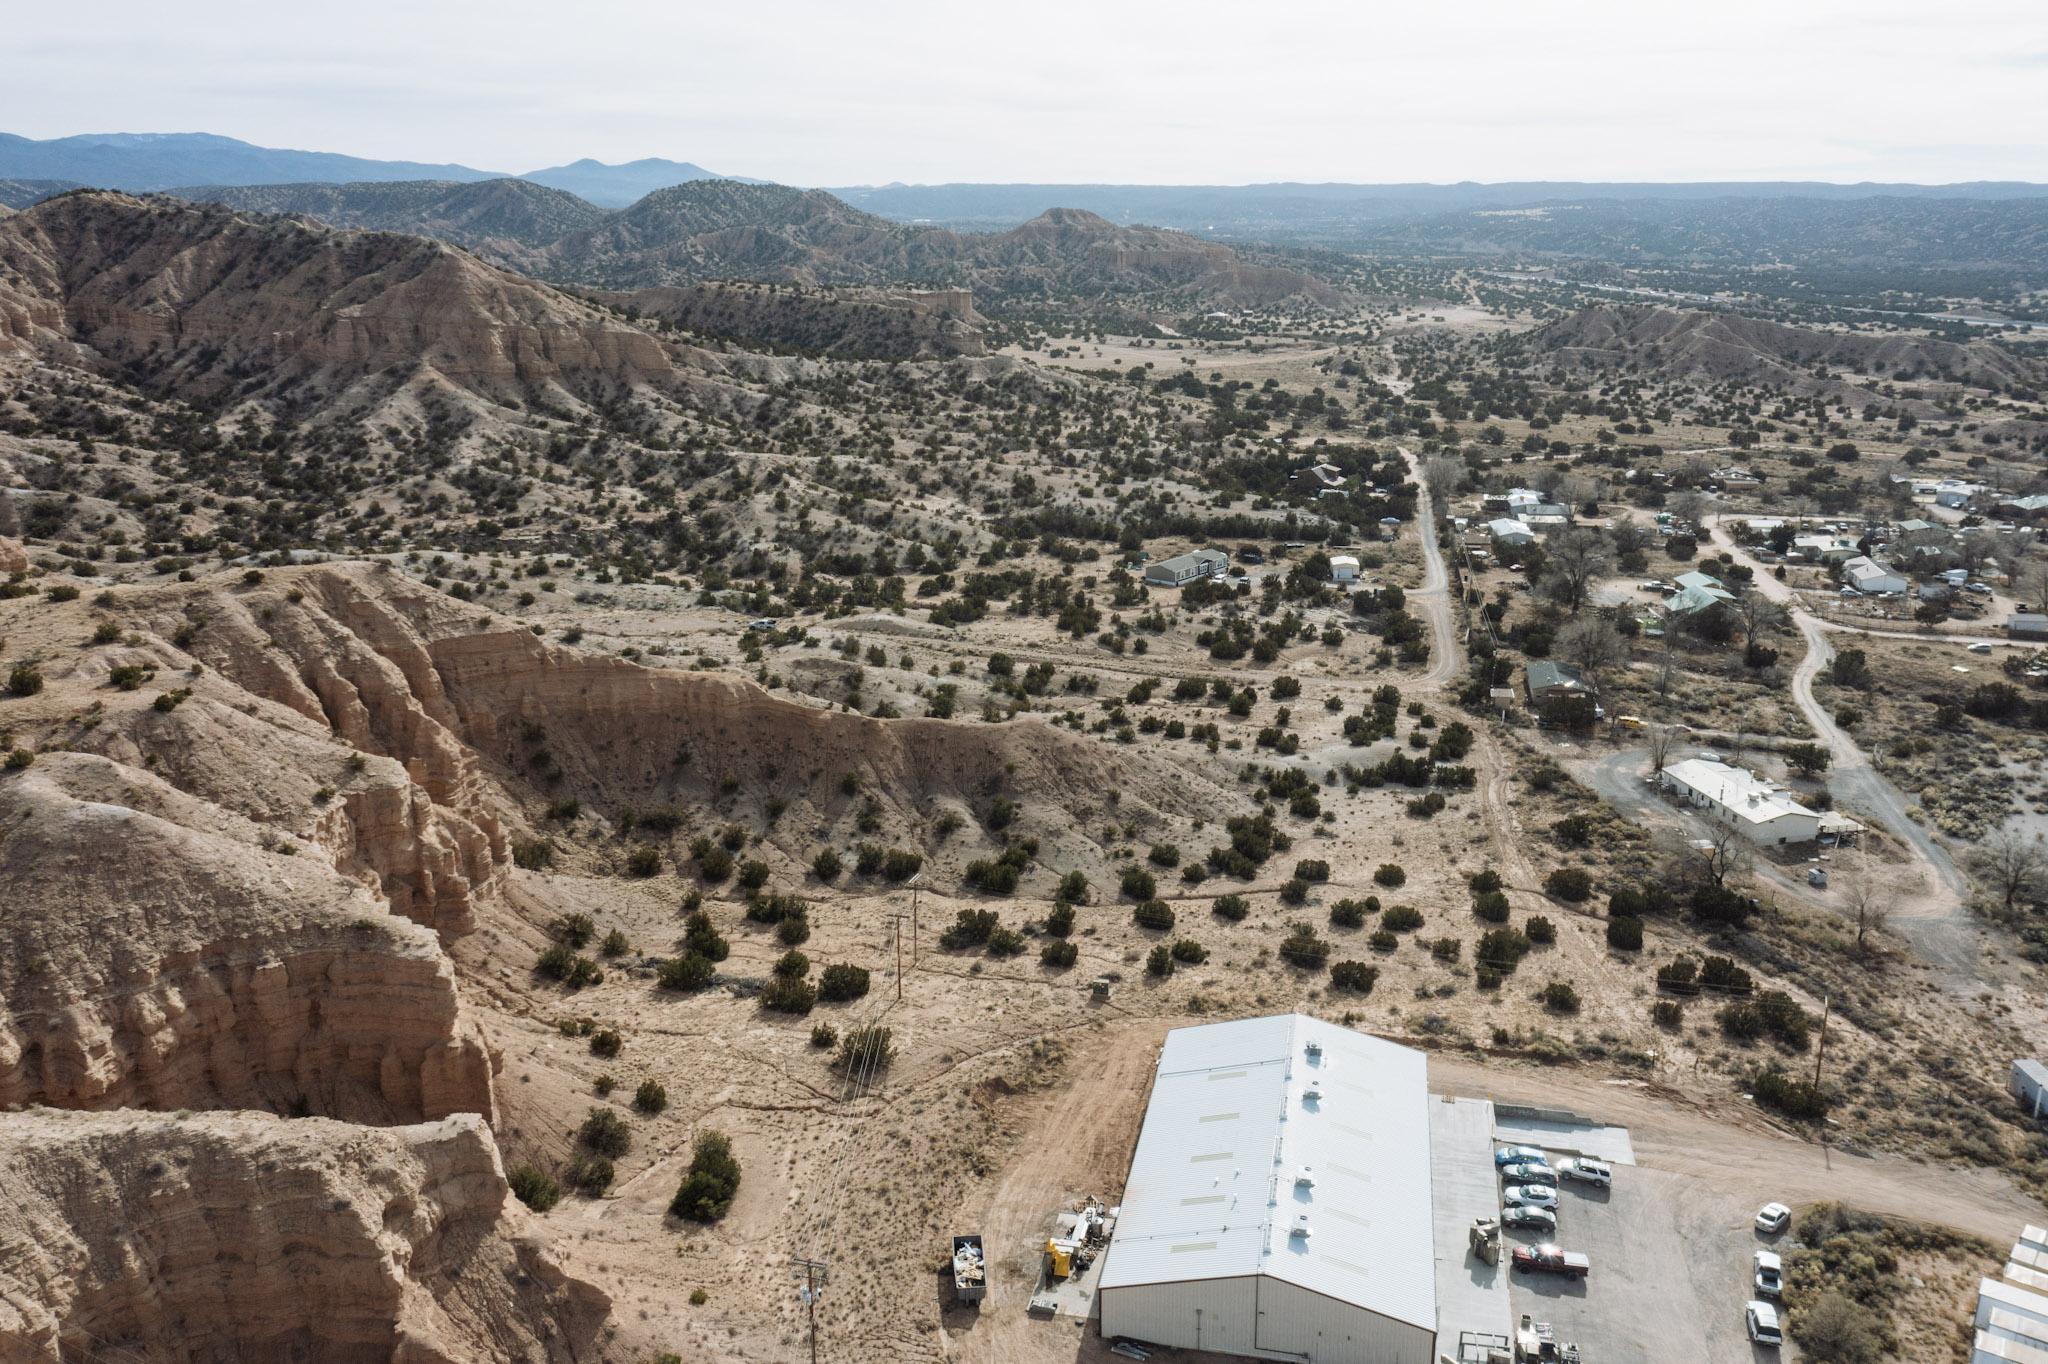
(1313, 1092)
(1315, 1049)
(1300, 1227)
(1305, 1176)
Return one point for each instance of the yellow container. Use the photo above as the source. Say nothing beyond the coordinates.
(1062, 1259)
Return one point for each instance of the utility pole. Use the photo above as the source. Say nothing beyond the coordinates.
(1822, 1049)
(897, 933)
(915, 879)
(813, 1273)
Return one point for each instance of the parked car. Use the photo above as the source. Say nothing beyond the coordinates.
(1587, 1171)
(1773, 1218)
(1519, 1155)
(1762, 1320)
(1767, 1273)
(1530, 1195)
(1526, 1218)
(1550, 1259)
(1978, 648)
(1527, 1173)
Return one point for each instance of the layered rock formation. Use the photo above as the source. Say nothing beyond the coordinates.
(222, 1236)
(160, 952)
(208, 302)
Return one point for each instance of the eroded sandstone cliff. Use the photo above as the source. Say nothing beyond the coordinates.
(218, 1236)
(158, 951)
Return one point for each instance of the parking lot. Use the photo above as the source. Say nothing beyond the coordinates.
(1670, 1271)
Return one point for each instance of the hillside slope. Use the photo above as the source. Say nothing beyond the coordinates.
(506, 220)
(1722, 346)
(724, 230)
(216, 306)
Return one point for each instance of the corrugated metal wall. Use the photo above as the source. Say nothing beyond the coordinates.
(1290, 1323)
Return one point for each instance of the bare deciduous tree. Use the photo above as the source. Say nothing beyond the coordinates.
(1575, 559)
(1591, 644)
(1442, 475)
(1866, 897)
(1760, 616)
(2012, 863)
(1663, 738)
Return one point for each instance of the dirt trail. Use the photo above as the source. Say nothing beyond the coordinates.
(1077, 1140)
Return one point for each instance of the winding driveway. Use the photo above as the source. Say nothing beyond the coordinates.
(1932, 916)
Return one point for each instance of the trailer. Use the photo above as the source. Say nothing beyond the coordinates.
(970, 1269)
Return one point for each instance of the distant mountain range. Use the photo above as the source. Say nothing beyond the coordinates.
(163, 161)
(618, 186)
(1308, 208)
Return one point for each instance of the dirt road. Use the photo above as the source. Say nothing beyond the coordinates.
(1433, 598)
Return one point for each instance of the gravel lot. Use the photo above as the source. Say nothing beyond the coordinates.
(1670, 1272)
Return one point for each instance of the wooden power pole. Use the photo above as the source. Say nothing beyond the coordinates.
(897, 933)
(813, 1273)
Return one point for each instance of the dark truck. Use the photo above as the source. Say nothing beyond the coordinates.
(1548, 1259)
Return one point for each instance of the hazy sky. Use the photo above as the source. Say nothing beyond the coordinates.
(834, 92)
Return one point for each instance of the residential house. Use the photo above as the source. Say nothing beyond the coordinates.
(1739, 799)
(1547, 515)
(1546, 680)
(1185, 568)
(1828, 548)
(2033, 507)
(1697, 592)
(1319, 475)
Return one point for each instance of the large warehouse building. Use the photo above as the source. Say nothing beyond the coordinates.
(1279, 1203)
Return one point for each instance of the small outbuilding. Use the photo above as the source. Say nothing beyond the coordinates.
(2027, 625)
(1343, 568)
(1872, 578)
(2030, 1086)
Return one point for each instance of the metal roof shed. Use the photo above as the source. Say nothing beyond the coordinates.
(1279, 1201)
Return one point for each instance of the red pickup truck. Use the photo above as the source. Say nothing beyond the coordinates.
(1549, 1259)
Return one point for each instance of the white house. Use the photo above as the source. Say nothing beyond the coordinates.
(1521, 499)
(1509, 531)
(1280, 1203)
(1870, 577)
(1739, 799)
(1826, 549)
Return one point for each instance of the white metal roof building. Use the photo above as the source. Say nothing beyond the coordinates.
(1279, 1201)
(2012, 1311)
(1736, 797)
